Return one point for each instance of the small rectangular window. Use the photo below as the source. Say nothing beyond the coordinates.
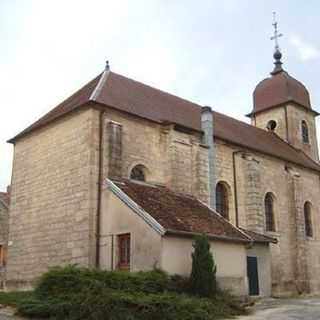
(124, 251)
(3, 255)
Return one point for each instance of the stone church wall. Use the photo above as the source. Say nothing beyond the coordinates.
(257, 174)
(55, 181)
(294, 115)
(278, 115)
(310, 192)
(53, 199)
(171, 157)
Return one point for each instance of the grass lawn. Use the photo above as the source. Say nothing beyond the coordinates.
(13, 298)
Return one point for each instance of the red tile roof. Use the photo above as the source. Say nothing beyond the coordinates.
(258, 237)
(150, 103)
(278, 89)
(5, 198)
(178, 212)
(267, 142)
(144, 101)
(184, 215)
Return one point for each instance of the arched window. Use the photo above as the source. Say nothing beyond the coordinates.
(307, 219)
(222, 199)
(269, 211)
(138, 173)
(304, 132)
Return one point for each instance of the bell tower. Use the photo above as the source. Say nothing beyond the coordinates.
(281, 105)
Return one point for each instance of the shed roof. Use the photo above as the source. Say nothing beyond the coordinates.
(182, 214)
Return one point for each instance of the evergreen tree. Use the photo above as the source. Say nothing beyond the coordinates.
(203, 274)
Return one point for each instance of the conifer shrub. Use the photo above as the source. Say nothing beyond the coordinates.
(64, 281)
(203, 274)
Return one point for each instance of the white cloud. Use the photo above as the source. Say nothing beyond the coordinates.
(306, 51)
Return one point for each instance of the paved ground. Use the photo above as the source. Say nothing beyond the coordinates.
(285, 309)
(268, 309)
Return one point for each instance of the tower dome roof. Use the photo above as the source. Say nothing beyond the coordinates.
(278, 89)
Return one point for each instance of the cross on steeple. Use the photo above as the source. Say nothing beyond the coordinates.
(276, 35)
(277, 55)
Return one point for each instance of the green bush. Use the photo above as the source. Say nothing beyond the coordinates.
(47, 308)
(98, 303)
(68, 280)
(203, 274)
(82, 294)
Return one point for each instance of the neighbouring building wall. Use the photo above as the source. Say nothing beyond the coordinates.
(4, 224)
(262, 252)
(230, 259)
(4, 233)
(118, 219)
(54, 197)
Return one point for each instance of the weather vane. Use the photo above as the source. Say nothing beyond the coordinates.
(276, 35)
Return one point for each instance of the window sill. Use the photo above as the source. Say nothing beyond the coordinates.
(308, 238)
(124, 267)
(272, 233)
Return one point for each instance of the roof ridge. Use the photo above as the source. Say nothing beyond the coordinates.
(103, 77)
(156, 89)
(123, 196)
(154, 185)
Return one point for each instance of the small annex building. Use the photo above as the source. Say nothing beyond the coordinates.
(146, 226)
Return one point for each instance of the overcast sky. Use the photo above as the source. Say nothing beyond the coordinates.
(210, 52)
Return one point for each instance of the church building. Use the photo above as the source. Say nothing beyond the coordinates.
(123, 176)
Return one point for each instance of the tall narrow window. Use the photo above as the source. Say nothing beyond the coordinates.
(304, 132)
(138, 173)
(308, 219)
(269, 212)
(124, 251)
(222, 201)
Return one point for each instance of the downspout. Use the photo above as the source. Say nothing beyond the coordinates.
(101, 118)
(207, 128)
(94, 96)
(235, 185)
(112, 251)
